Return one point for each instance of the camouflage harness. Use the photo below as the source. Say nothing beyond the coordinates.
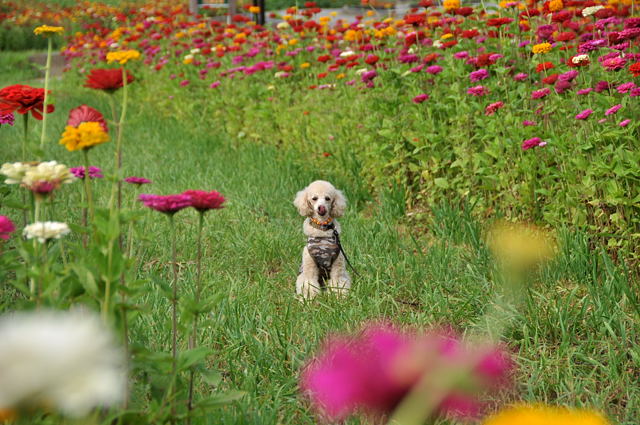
(325, 250)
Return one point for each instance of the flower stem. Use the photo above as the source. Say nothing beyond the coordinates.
(119, 139)
(24, 158)
(194, 336)
(174, 305)
(47, 72)
(87, 185)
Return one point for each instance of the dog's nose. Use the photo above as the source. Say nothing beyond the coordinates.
(322, 210)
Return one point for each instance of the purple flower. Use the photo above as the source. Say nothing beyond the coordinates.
(6, 227)
(7, 119)
(602, 86)
(590, 46)
(635, 92)
(368, 75)
(420, 98)
(94, 172)
(626, 87)
(166, 204)
(584, 114)
(137, 180)
(532, 143)
(624, 123)
(583, 92)
(562, 86)
(539, 94)
(613, 109)
(434, 69)
(477, 91)
(478, 75)
(520, 76)
(568, 76)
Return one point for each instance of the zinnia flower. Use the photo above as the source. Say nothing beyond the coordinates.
(105, 79)
(204, 201)
(624, 123)
(7, 119)
(635, 69)
(44, 231)
(420, 98)
(85, 129)
(137, 180)
(123, 56)
(478, 75)
(613, 109)
(584, 114)
(533, 143)
(48, 30)
(541, 48)
(45, 177)
(377, 368)
(545, 415)
(6, 227)
(167, 204)
(591, 10)
(493, 107)
(94, 172)
(23, 99)
(15, 171)
(63, 360)
(477, 91)
(539, 94)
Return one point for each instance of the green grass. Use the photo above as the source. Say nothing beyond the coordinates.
(574, 339)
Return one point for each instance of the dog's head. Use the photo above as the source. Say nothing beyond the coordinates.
(321, 200)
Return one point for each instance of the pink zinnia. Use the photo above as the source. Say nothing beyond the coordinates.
(434, 69)
(167, 204)
(520, 76)
(420, 98)
(184, 83)
(94, 172)
(477, 91)
(584, 114)
(214, 84)
(539, 94)
(625, 87)
(137, 180)
(478, 75)
(7, 118)
(6, 227)
(493, 107)
(204, 201)
(624, 123)
(613, 109)
(527, 123)
(583, 92)
(532, 143)
(375, 370)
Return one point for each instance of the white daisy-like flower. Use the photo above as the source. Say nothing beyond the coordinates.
(283, 25)
(194, 51)
(346, 54)
(47, 172)
(44, 231)
(65, 360)
(15, 171)
(588, 11)
(579, 58)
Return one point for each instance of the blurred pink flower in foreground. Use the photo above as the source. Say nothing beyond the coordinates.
(377, 368)
(6, 227)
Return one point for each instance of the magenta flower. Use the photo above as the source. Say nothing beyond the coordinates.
(584, 114)
(204, 201)
(602, 86)
(368, 76)
(532, 143)
(434, 69)
(461, 55)
(493, 107)
(562, 86)
(420, 98)
(626, 87)
(137, 180)
(539, 94)
(167, 204)
(478, 75)
(613, 109)
(528, 123)
(6, 227)
(7, 119)
(376, 369)
(477, 91)
(94, 172)
(520, 76)
(569, 75)
(614, 64)
(184, 83)
(624, 123)
(214, 84)
(583, 92)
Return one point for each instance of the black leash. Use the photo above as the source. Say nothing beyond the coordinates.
(336, 235)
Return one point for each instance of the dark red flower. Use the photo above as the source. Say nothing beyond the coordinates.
(204, 201)
(544, 66)
(498, 22)
(108, 80)
(167, 204)
(84, 113)
(22, 99)
(635, 69)
(551, 79)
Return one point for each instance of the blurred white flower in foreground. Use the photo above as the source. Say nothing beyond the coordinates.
(63, 360)
(45, 230)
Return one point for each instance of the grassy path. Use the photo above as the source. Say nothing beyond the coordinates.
(576, 339)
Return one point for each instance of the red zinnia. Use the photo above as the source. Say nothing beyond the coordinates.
(22, 99)
(108, 80)
(635, 69)
(551, 79)
(544, 66)
(204, 201)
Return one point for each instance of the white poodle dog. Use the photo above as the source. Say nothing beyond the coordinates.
(323, 265)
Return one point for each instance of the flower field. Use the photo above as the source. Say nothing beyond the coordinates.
(149, 248)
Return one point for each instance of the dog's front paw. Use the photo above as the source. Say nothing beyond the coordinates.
(306, 290)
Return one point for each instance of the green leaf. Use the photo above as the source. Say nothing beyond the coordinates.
(442, 182)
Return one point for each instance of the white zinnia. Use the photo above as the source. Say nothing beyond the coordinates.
(65, 360)
(579, 58)
(588, 11)
(346, 54)
(283, 25)
(14, 171)
(46, 230)
(49, 171)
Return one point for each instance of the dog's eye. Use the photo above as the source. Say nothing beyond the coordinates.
(315, 198)
(326, 198)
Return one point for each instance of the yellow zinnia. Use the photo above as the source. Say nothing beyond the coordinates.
(451, 4)
(123, 56)
(85, 136)
(541, 48)
(254, 9)
(555, 5)
(545, 415)
(47, 30)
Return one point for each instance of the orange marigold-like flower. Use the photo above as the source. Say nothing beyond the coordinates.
(541, 48)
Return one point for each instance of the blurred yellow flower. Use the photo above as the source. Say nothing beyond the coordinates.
(305, 65)
(123, 56)
(541, 48)
(555, 5)
(85, 136)
(545, 415)
(446, 36)
(48, 30)
(7, 415)
(293, 42)
(254, 9)
(520, 246)
(451, 4)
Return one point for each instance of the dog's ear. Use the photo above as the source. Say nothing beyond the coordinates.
(339, 204)
(302, 203)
